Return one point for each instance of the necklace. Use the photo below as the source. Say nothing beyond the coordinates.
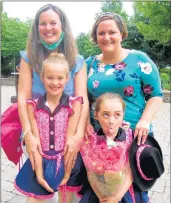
(54, 45)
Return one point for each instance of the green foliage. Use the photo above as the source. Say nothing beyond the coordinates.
(1, 6)
(165, 78)
(113, 6)
(135, 38)
(85, 46)
(14, 35)
(165, 70)
(153, 20)
(159, 53)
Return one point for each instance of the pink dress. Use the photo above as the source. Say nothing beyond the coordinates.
(52, 130)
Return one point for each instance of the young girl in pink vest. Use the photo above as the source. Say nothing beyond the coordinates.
(54, 118)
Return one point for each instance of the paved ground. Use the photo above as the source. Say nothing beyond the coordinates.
(160, 193)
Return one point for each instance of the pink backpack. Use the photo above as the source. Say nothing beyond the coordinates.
(10, 133)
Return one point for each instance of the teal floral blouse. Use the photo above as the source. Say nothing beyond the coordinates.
(136, 79)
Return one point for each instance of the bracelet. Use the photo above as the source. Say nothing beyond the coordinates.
(24, 134)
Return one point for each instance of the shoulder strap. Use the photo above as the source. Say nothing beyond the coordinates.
(92, 62)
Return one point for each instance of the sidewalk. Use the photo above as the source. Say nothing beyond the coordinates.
(160, 193)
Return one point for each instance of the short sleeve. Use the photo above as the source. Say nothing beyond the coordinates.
(150, 78)
(32, 102)
(79, 63)
(72, 100)
(23, 55)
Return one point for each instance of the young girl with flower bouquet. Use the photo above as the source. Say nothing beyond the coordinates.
(54, 118)
(105, 155)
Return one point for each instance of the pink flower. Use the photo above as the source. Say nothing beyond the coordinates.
(103, 146)
(98, 158)
(102, 156)
(96, 84)
(120, 66)
(128, 91)
(147, 89)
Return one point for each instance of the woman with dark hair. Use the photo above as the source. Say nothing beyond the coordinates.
(129, 73)
(50, 32)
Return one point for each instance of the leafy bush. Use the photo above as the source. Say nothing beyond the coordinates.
(165, 70)
(6, 71)
(165, 80)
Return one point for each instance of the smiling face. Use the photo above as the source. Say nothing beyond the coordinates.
(49, 26)
(110, 116)
(109, 37)
(54, 77)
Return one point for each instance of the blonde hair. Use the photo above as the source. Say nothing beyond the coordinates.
(107, 96)
(36, 51)
(56, 58)
(109, 16)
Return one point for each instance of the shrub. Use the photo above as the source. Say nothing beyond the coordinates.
(165, 80)
(165, 70)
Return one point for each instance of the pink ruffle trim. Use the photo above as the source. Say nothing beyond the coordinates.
(72, 188)
(32, 102)
(73, 99)
(78, 195)
(131, 191)
(29, 194)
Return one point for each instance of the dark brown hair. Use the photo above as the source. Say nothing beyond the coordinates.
(109, 16)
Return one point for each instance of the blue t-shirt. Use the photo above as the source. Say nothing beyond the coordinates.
(37, 85)
(136, 79)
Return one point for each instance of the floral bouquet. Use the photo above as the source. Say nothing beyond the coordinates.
(105, 162)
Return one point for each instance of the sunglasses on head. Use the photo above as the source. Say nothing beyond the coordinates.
(107, 14)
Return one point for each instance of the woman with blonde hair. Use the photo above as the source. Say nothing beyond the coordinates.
(50, 32)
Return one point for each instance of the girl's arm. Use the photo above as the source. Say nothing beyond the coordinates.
(35, 131)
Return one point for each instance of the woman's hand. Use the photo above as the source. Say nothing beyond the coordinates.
(71, 149)
(33, 147)
(89, 131)
(39, 174)
(142, 130)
